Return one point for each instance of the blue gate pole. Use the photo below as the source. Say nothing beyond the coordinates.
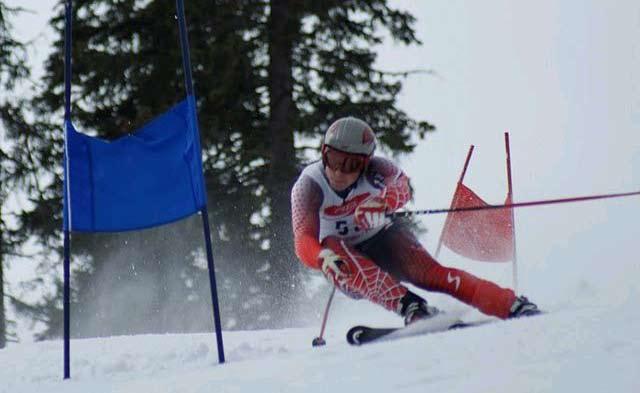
(186, 64)
(67, 319)
(67, 235)
(212, 283)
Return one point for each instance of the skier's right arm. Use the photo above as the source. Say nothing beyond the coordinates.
(306, 199)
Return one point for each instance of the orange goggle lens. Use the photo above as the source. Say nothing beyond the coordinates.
(344, 162)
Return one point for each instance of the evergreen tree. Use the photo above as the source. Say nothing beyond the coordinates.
(12, 71)
(266, 73)
(321, 57)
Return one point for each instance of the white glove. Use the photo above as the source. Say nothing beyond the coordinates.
(371, 214)
(333, 267)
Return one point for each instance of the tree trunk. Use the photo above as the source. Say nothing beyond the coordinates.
(283, 26)
(3, 322)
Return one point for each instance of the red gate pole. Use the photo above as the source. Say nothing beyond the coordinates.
(453, 200)
(513, 221)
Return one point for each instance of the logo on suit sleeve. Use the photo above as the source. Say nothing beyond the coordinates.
(453, 279)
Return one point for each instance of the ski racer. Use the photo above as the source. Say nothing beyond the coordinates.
(340, 225)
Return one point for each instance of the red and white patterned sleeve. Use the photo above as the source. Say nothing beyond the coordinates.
(397, 190)
(306, 200)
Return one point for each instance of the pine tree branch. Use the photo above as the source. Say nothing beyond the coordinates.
(405, 74)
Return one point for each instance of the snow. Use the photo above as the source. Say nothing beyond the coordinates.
(590, 344)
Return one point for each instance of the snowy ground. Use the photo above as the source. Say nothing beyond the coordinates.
(585, 346)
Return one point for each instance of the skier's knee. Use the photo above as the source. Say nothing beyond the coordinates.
(351, 293)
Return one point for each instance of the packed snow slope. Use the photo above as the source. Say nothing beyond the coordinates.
(582, 345)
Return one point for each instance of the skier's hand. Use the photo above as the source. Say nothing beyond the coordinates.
(371, 213)
(333, 267)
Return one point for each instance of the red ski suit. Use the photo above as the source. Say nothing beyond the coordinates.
(380, 262)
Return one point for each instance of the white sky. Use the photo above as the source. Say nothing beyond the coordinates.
(562, 77)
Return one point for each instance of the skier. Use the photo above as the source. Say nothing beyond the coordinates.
(339, 206)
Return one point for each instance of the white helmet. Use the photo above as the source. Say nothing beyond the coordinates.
(348, 145)
(351, 135)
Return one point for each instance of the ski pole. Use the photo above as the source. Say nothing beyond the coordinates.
(319, 341)
(411, 213)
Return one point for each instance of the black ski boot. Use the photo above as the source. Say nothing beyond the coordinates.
(415, 308)
(522, 307)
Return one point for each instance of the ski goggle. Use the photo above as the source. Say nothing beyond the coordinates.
(342, 161)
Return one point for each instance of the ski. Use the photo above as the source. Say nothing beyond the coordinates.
(359, 335)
